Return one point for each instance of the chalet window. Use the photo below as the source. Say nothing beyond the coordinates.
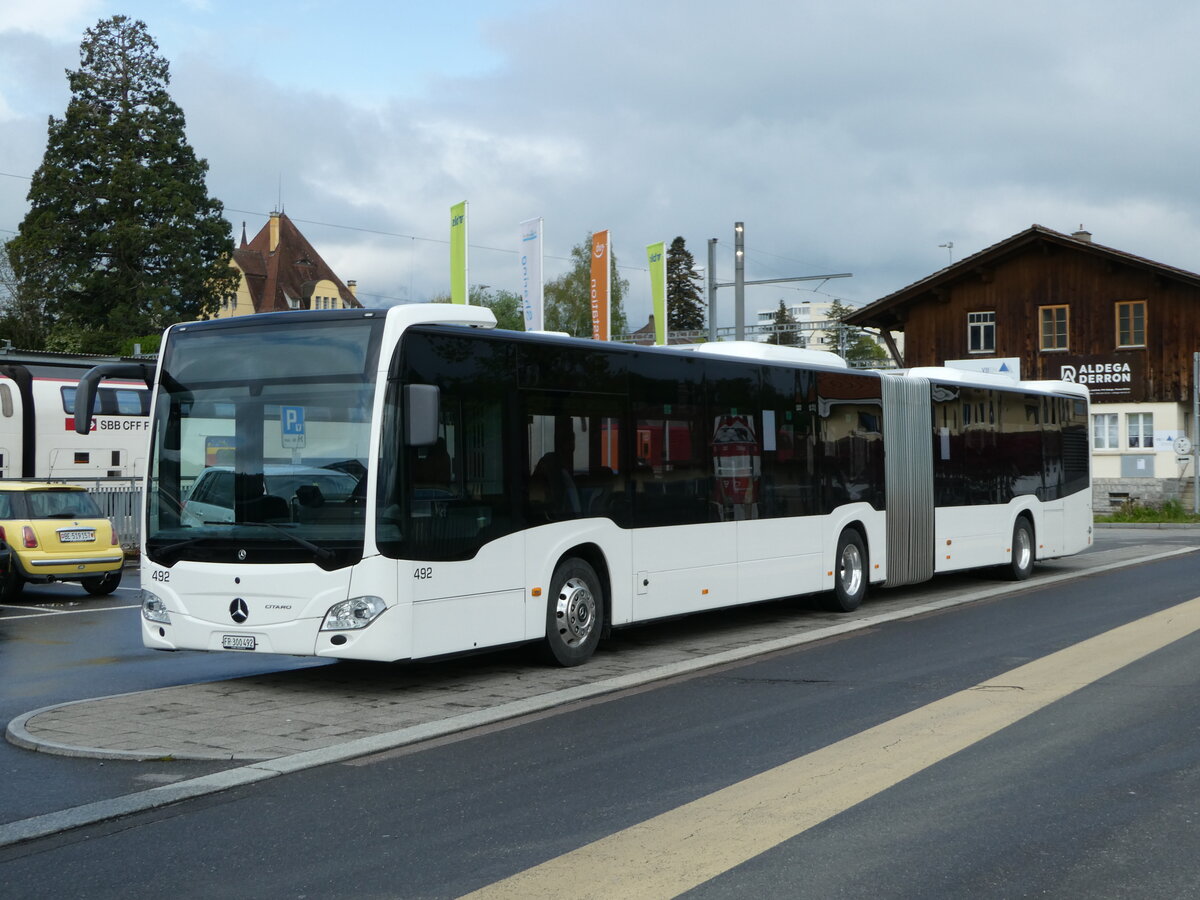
(1131, 323)
(981, 332)
(1054, 327)
(1104, 431)
(1141, 429)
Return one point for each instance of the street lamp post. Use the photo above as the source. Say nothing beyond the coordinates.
(739, 281)
(712, 289)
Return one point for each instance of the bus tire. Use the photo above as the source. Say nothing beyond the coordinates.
(574, 614)
(850, 572)
(102, 585)
(1020, 566)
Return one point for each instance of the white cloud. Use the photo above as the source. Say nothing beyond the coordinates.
(53, 19)
(852, 137)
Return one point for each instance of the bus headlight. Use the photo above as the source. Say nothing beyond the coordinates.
(154, 609)
(357, 612)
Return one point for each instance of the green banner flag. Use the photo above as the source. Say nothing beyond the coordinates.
(458, 253)
(656, 256)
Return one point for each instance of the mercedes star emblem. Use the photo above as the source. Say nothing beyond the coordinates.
(238, 611)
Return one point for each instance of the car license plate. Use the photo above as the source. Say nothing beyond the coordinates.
(70, 537)
(238, 642)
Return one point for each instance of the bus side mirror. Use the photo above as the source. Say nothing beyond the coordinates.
(422, 414)
(89, 384)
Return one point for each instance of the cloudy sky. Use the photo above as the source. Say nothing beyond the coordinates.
(849, 136)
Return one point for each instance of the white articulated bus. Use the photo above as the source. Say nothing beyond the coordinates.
(411, 483)
(38, 438)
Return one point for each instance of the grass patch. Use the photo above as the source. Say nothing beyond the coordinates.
(1133, 512)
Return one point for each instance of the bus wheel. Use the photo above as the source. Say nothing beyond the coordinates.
(1020, 566)
(850, 578)
(574, 613)
(102, 585)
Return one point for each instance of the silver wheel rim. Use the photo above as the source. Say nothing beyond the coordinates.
(575, 612)
(850, 572)
(1024, 548)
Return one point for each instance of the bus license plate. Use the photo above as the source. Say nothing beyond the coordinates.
(69, 537)
(238, 642)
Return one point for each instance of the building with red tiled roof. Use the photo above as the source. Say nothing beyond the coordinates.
(281, 271)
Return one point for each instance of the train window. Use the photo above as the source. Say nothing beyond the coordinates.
(129, 402)
(112, 402)
(6, 404)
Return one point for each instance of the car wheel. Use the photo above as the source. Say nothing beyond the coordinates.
(102, 585)
(11, 585)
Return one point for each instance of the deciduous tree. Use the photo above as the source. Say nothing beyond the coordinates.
(504, 304)
(569, 297)
(856, 345)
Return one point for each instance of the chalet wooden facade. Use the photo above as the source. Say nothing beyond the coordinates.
(1068, 308)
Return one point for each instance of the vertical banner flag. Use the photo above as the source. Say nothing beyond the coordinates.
(600, 295)
(656, 257)
(458, 253)
(530, 254)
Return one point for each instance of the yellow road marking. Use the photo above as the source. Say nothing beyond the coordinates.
(684, 847)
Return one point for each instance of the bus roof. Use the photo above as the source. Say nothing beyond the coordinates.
(991, 380)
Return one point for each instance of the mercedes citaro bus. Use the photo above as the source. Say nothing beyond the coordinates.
(512, 487)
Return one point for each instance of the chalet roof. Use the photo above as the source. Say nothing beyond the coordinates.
(888, 312)
(291, 270)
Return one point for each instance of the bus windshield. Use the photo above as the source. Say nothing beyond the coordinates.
(260, 441)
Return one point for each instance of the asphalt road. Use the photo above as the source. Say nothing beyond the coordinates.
(1091, 795)
(58, 644)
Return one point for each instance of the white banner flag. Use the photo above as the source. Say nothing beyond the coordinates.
(530, 256)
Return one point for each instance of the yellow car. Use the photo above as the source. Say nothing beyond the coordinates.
(55, 532)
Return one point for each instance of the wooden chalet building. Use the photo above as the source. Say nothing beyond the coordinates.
(1056, 306)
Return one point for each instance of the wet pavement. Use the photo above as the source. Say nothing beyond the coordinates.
(282, 714)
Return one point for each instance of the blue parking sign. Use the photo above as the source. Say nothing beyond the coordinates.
(291, 425)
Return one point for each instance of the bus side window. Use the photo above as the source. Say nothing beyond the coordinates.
(553, 493)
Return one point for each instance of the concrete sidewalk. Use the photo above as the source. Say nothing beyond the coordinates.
(325, 706)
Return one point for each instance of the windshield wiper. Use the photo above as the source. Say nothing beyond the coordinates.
(178, 545)
(321, 553)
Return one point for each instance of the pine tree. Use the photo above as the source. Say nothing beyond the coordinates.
(121, 238)
(568, 298)
(838, 310)
(784, 319)
(685, 302)
(855, 345)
